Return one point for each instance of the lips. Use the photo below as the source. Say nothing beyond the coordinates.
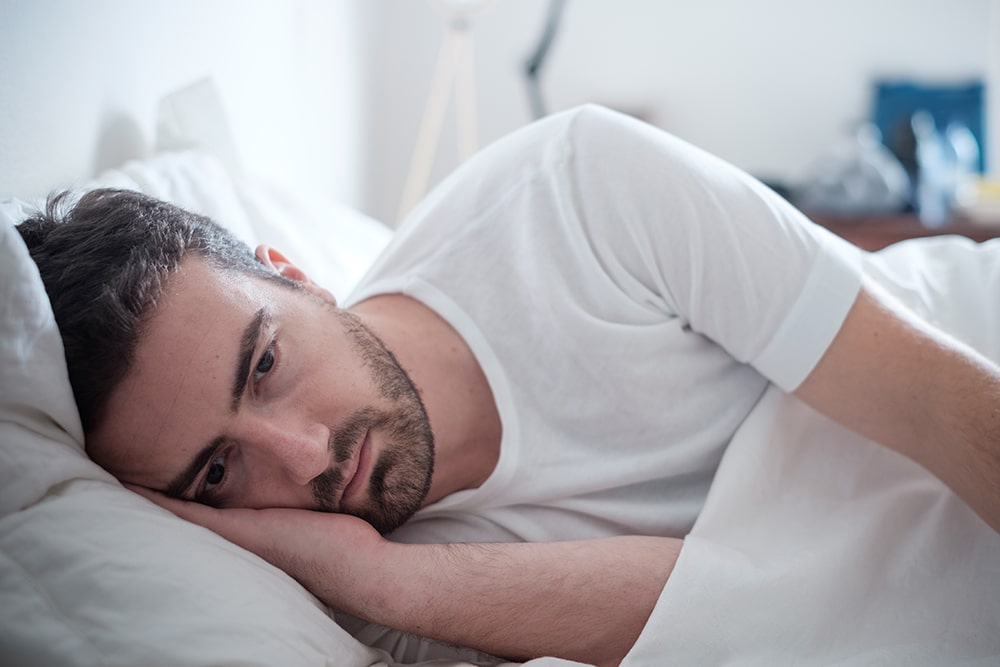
(357, 478)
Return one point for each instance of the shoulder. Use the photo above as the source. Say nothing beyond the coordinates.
(556, 137)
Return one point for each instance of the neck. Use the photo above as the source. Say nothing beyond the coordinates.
(456, 395)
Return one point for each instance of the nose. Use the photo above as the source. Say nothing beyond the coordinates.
(302, 451)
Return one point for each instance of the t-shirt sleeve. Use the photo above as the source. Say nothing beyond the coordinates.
(682, 231)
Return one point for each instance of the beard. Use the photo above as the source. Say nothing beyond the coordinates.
(401, 475)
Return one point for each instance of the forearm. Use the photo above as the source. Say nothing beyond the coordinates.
(585, 600)
(899, 381)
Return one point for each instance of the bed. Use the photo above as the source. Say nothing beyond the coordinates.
(815, 546)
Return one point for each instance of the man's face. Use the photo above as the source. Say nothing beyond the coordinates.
(246, 393)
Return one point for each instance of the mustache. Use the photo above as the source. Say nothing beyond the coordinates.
(344, 440)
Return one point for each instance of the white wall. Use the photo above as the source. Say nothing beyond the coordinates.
(767, 84)
(80, 82)
(328, 94)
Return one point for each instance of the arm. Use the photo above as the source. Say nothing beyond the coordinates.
(897, 380)
(583, 600)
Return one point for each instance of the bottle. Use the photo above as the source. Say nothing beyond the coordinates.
(935, 172)
(965, 150)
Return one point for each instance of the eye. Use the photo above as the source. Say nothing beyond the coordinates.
(264, 365)
(216, 473)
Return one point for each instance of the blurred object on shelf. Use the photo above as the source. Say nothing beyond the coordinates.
(979, 202)
(860, 178)
(896, 102)
(936, 132)
(946, 167)
(966, 154)
(934, 187)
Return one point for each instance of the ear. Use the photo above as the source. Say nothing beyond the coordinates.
(277, 262)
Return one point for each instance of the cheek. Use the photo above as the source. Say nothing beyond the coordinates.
(333, 373)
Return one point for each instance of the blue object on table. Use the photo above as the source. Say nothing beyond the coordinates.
(897, 101)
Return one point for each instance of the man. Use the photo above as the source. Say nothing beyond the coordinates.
(556, 348)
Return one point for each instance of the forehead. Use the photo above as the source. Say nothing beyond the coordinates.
(196, 297)
(181, 373)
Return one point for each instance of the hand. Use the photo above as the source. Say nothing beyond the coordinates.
(335, 556)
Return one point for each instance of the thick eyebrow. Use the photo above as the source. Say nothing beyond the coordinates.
(248, 343)
(183, 481)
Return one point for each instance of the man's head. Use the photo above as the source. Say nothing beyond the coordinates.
(211, 374)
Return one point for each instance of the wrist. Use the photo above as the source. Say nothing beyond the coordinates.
(376, 581)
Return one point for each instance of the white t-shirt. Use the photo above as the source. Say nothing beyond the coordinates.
(629, 297)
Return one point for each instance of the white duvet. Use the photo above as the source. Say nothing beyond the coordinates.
(815, 546)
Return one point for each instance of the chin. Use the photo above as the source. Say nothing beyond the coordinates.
(397, 490)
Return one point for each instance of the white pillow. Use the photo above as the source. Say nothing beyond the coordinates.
(41, 439)
(92, 574)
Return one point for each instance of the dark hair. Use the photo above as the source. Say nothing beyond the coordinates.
(104, 262)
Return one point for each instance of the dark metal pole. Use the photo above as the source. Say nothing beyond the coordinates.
(533, 65)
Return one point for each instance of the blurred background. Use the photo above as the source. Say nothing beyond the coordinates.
(366, 99)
